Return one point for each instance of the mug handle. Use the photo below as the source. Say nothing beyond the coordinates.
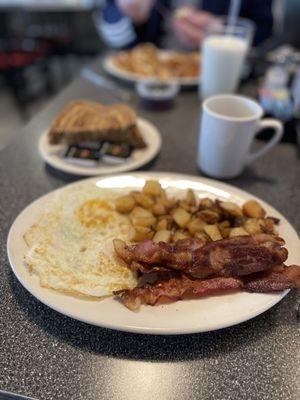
(267, 123)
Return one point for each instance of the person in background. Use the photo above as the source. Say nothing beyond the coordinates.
(125, 23)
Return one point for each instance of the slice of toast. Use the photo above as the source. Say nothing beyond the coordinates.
(83, 120)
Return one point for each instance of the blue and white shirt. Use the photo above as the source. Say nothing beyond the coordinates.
(118, 31)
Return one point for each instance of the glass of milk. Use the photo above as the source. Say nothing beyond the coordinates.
(224, 50)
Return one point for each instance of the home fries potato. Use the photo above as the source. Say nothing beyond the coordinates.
(154, 215)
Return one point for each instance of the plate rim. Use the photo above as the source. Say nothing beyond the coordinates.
(132, 328)
(117, 169)
(133, 78)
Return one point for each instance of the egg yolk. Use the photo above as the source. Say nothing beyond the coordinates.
(95, 213)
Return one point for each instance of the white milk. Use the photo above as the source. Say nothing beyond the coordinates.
(222, 62)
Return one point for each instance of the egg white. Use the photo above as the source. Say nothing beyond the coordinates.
(70, 248)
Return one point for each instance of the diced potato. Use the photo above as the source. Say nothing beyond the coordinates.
(164, 222)
(252, 226)
(225, 232)
(253, 209)
(141, 233)
(213, 232)
(267, 225)
(275, 220)
(238, 232)
(181, 217)
(162, 196)
(170, 203)
(143, 200)
(159, 209)
(190, 198)
(224, 224)
(153, 188)
(202, 236)
(162, 236)
(183, 204)
(180, 235)
(161, 225)
(193, 209)
(196, 225)
(142, 217)
(231, 208)
(125, 204)
(206, 203)
(209, 216)
(238, 221)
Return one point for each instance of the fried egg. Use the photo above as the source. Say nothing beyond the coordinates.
(70, 248)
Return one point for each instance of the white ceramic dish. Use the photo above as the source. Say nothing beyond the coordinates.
(52, 154)
(111, 68)
(182, 317)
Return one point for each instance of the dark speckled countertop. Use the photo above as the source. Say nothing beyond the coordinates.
(48, 356)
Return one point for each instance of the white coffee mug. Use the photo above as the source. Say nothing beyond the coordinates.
(228, 126)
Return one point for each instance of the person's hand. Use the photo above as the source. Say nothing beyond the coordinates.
(137, 10)
(189, 25)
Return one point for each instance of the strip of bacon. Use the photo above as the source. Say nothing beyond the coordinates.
(237, 256)
(179, 286)
(277, 279)
(176, 288)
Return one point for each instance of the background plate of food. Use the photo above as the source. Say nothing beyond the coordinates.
(88, 138)
(147, 62)
(205, 248)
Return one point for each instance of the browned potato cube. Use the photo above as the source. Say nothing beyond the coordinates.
(224, 224)
(190, 198)
(193, 209)
(162, 236)
(202, 236)
(141, 233)
(196, 225)
(209, 216)
(142, 217)
(213, 232)
(162, 224)
(206, 203)
(253, 209)
(153, 188)
(159, 209)
(170, 203)
(125, 204)
(162, 196)
(267, 225)
(183, 204)
(238, 232)
(143, 200)
(181, 217)
(180, 235)
(231, 208)
(252, 226)
(225, 232)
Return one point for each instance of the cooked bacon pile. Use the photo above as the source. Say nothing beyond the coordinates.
(191, 268)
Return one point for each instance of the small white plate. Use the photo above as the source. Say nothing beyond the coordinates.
(53, 154)
(111, 68)
(187, 316)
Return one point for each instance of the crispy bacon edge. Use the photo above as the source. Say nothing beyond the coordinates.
(181, 287)
(176, 288)
(236, 256)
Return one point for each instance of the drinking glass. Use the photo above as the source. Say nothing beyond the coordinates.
(224, 50)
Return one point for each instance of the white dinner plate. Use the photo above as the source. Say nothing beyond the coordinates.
(113, 69)
(53, 154)
(187, 316)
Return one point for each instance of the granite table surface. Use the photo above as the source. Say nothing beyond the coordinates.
(46, 355)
